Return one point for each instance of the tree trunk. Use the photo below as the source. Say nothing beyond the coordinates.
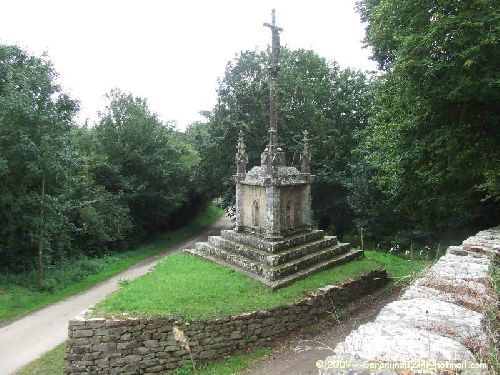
(40, 238)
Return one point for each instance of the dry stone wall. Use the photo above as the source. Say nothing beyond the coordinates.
(149, 346)
(437, 324)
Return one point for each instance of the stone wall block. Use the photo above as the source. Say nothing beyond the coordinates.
(82, 333)
(125, 345)
(105, 347)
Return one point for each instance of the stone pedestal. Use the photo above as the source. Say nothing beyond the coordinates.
(273, 241)
(276, 262)
(273, 206)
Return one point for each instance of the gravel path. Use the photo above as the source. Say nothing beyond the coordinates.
(298, 356)
(27, 338)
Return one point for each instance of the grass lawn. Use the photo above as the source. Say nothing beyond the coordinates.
(191, 288)
(17, 299)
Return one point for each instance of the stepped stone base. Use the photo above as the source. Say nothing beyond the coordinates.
(276, 263)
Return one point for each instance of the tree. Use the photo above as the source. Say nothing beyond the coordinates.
(434, 135)
(100, 219)
(335, 148)
(313, 95)
(50, 207)
(35, 121)
(142, 160)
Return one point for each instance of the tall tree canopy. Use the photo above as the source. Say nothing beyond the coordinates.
(70, 191)
(35, 119)
(49, 206)
(313, 95)
(434, 133)
(141, 159)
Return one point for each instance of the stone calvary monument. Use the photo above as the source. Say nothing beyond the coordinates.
(273, 241)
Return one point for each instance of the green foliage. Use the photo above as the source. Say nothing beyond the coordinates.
(72, 271)
(49, 203)
(140, 159)
(335, 145)
(432, 143)
(191, 288)
(35, 152)
(312, 94)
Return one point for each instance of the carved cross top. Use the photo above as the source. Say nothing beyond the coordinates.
(272, 25)
(273, 111)
(275, 30)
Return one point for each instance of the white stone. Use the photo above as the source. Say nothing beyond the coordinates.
(443, 318)
(477, 304)
(398, 342)
(458, 267)
(470, 287)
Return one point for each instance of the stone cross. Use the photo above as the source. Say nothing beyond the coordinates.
(275, 49)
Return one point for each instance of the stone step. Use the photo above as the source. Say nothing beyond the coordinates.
(287, 280)
(272, 259)
(265, 270)
(252, 275)
(332, 262)
(205, 249)
(242, 250)
(309, 260)
(272, 246)
(300, 251)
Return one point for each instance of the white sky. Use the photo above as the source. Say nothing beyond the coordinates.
(171, 52)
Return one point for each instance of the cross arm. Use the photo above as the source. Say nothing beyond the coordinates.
(273, 27)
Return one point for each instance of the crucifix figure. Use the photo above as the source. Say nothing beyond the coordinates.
(275, 49)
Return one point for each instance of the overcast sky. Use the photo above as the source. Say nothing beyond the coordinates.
(171, 52)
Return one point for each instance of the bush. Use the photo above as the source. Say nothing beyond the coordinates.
(62, 274)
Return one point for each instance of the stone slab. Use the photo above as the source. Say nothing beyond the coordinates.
(287, 280)
(398, 342)
(436, 316)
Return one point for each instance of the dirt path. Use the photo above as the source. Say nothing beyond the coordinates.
(290, 358)
(27, 338)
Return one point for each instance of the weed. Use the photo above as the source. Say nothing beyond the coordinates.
(182, 339)
(312, 330)
(185, 369)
